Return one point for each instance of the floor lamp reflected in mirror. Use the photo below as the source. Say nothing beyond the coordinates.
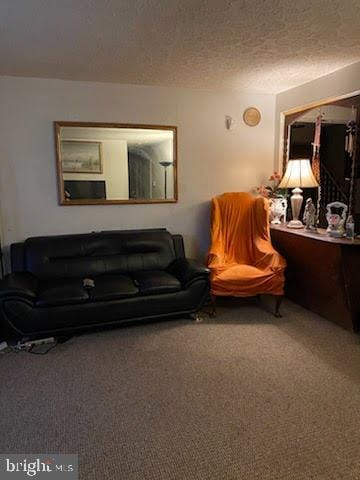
(165, 164)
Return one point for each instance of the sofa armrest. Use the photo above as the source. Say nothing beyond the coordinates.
(186, 270)
(21, 284)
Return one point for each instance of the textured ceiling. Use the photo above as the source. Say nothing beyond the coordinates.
(262, 45)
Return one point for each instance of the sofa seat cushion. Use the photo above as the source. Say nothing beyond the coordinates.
(112, 287)
(62, 291)
(154, 282)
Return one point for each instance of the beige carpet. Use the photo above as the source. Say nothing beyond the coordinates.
(244, 396)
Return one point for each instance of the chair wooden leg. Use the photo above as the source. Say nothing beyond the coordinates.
(278, 300)
(213, 306)
(210, 307)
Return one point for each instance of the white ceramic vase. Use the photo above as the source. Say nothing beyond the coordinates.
(278, 208)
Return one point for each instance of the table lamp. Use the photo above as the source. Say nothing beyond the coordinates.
(298, 175)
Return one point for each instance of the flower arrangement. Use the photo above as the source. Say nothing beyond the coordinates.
(273, 190)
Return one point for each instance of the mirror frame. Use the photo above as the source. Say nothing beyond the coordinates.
(60, 180)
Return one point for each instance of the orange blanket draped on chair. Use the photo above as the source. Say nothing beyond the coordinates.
(242, 260)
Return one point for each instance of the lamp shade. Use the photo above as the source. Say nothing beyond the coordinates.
(298, 174)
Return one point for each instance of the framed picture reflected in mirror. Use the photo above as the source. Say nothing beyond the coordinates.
(79, 156)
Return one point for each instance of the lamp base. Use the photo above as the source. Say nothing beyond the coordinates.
(296, 202)
(295, 224)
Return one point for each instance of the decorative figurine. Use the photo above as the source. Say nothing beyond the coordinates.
(335, 220)
(309, 217)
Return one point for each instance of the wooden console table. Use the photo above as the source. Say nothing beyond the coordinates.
(323, 273)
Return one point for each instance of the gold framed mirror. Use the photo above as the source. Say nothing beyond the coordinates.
(326, 133)
(335, 110)
(115, 163)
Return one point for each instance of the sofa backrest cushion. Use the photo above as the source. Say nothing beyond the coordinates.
(88, 255)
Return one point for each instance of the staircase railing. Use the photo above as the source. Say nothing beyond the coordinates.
(331, 191)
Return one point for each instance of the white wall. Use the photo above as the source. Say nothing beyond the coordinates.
(212, 160)
(341, 82)
(116, 165)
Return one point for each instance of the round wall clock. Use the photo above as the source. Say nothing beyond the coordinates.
(252, 116)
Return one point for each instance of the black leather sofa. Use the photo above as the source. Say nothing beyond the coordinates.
(137, 274)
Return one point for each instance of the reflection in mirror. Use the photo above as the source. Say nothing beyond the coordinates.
(327, 135)
(333, 130)
(113, 163)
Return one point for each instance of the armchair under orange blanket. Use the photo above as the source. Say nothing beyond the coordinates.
(242, 260)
